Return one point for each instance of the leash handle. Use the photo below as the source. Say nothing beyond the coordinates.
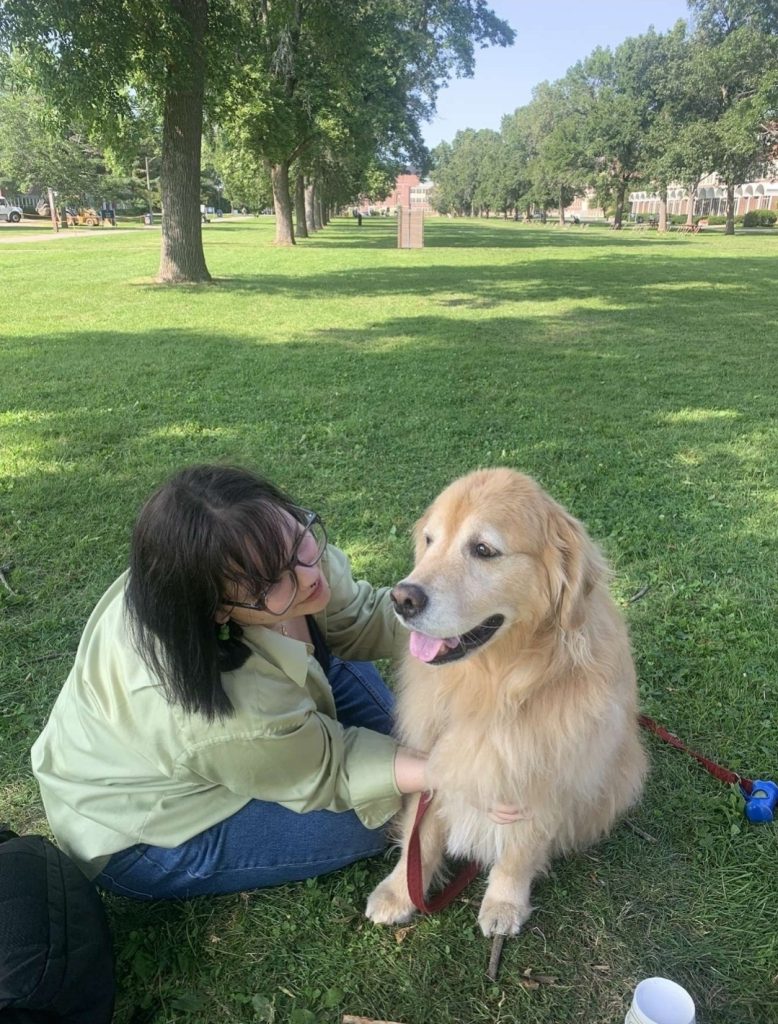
(414, 873)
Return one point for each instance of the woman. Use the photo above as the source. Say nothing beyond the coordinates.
(220, 729)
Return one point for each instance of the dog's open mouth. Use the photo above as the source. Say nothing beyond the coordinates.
(436, 650)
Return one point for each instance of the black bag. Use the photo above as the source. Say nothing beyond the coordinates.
(56, 956)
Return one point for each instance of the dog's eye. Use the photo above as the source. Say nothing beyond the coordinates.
(482, 550)
(427, 539)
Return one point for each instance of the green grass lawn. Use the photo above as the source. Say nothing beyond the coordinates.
(633, 375)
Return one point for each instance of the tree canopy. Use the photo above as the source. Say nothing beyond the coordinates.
(327, 89)
(697, 100)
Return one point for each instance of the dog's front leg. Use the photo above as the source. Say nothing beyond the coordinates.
(390, 901)
(505, 906)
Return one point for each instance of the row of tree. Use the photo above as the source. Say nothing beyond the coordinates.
(319, 99)
(660, 108)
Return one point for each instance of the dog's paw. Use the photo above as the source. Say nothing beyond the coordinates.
(387, 905)
(498, 917)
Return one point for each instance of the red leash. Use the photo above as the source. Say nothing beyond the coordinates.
(469, 871)
(722, 774)
(414, 877)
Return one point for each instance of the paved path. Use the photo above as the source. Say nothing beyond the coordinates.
(13, 234)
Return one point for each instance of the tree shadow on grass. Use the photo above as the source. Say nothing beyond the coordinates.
(440, 233)
(687, 291)
(367, 425)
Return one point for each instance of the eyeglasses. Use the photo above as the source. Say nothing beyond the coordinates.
(308, 549)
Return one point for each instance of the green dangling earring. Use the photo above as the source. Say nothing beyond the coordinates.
(224, 630)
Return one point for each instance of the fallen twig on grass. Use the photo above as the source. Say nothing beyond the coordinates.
(639, 831)
(638, 594)
(530, 980)
(348, 1019)
(3, 570)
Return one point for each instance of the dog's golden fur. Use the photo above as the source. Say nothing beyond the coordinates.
(542, 716)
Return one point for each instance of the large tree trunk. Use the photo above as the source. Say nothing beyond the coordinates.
(561, 210)
(729, 227)
(182, 257)
(691, 202)
(662, 225)
(310, 199)
(279, 177)
(318, 211)
(618, 215)
(300, 226)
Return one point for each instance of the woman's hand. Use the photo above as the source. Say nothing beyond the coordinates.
(410, 774)
(410, 770)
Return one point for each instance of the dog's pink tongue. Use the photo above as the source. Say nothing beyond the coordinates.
(427, 648)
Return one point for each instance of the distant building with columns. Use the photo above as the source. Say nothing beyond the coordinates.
(711, 198)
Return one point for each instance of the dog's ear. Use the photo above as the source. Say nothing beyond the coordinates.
(574, 566)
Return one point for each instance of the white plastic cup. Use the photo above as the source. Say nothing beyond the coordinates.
(660, 1001)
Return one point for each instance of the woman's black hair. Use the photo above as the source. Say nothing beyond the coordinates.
(205, 527)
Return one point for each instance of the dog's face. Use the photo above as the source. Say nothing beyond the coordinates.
(491, 551)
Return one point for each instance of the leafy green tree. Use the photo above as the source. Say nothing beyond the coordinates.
(716, 19)
(335, 77)
(556, 167)
(492, 192)
(457, 172)
(664, 59)
(516, 155)
(617, 115)
(735, 81)
(32, 160)
(93, 65)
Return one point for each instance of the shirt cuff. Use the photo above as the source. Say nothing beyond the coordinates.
(372, 786)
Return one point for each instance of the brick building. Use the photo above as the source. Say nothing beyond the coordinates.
(409, 192)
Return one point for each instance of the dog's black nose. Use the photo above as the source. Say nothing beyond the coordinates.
(408, 600)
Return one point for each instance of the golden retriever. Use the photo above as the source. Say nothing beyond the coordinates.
(520, 684)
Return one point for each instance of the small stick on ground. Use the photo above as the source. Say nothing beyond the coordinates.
(639, 831)
(3, 570)
(348, 1019)
(494, 959)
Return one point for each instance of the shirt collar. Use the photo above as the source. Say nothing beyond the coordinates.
(286, 653)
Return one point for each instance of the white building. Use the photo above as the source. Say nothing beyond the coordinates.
(711, 198)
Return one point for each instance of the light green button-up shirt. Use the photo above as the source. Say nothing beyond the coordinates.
(117, 764)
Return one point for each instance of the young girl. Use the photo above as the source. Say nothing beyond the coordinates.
(221, 729)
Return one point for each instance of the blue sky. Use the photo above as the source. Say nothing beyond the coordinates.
(551, 35)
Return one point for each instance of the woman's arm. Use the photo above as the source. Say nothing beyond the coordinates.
(410, 771)
(358, 623)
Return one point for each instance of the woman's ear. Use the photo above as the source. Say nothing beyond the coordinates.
(575, 564)
(221, 615)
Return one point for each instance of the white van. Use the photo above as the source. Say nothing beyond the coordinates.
(9, 212)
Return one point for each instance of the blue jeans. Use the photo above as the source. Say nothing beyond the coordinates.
(264, 844)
